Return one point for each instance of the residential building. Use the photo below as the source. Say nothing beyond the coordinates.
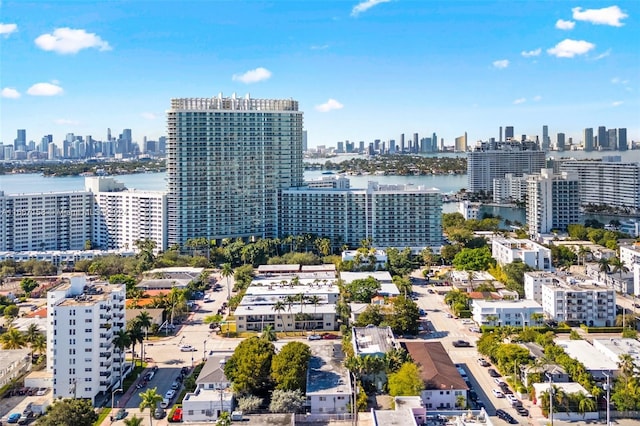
(121, 216)
(595, 362)
(630, 227)
(610, 183)
(408, 411)
(630, 254)
(372, 340)
(510, 189)
(621, 281)
(13, 364)
(380, 257)
(553, 202)
(533, 282)
(213, 394)
(567, 388)
(61, 257)
(507, 250)
(329, 182)
(388, 215)
(518, 313)
(387, 287)
(45, 221)
(328, 382)
(461, 143)
(83, 317)
(228, 159)
(615, 347)
(578, 301)
(588, 139)
(469, 210)
(444, 387)
(493, 160)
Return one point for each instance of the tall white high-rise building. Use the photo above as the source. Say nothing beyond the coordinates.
(553, 202)
(82, 319)
(228, 159)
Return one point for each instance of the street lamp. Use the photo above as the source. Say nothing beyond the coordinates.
(550, 397)
(204, 351)
(113, 394)
(608, 376)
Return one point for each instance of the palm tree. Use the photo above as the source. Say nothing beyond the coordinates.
(149, 399)
(121, 340)
(226, 272)
(31, 335)
(269, 334)
(175, 298)
(135, 334)
(586, 404)
(133, 421)
(626, 365)
(39, 345)
(604, 265)
(536, 318)
(144, 321)
(12, 339)
(618, 266)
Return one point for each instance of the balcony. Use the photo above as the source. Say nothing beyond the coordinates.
(106, 355)
(105, 374)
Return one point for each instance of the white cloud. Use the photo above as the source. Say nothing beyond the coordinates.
(616, 103)
(148, 116)
(537, 98)
(366, 5)
(561, 24)
(568, 48)
(44, 89)
(618, 80)
(530, 53)
(602, 55)
(69, 41)
(330, 105)
(611, 15)
(66, 122)
(320, 47)
(6, 29)
(10, 93)
(502, 63)
(253, 76)
(520, 101)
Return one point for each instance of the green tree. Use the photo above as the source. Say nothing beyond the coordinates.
(121, 340)
(514, 273)
(249, 368)
(133, 421)
(135, 336)
(618, 266)
(11, 311)
(406, 316)
(249, 404)
(150, 399)
(269, 334)
(226, 271)
(12, 339)
(478, 259)
(286, 401)
(362, 290)
(28, 285)
(372, 314)
(69, 412)
(289, 366)
(406, 381)
(604, 265)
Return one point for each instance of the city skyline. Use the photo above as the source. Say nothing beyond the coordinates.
(361, 71)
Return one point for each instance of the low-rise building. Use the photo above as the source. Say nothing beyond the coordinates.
(518, 313)
(507, 250)
(408, 411)
(64, 258)
(615, 347)
(621, 282)
(328, 383)
(376, 256)
(444, 387)
(596, 363)
(542, 390)
(533, 282)
(213, 394)
(630, 254)
(372, 340)
(13, 364)
(579, 301)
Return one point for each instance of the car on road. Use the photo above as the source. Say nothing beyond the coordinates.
(512, 399)
(421, 312)
(314, 337)
(506, 417)
(177, 415)
(461, 344)
(175, 385)
(166, 402)
(158, 413)
(26, 418)
(493, 373)
(467, 322)
(449, 315)
(121, 414)
(497, 393)
(187, 348)
(522, 411)
(330, 336)
(475, 329)
(483, 362)
(13, 418)
(170, 394)
(149, 375)
(498, 381)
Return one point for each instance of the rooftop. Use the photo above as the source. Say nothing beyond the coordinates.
(307, 308)
(382, 276)
(615, 347)
(436, 368)
(327, 373)
(284, 287)
(566, 387)
(11, 356)
(373, 340)
(213, 370)
(592, 358)
(513, 304)
(163, 283)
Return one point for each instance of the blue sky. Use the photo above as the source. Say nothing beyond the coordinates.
(361, 71)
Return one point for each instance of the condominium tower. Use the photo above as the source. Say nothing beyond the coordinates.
(228, 159)
(553, 202)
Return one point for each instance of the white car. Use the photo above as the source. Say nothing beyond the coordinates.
(170, 394)
(511, 398)
(187, 348)
(497, 393)
(498, 380)
(314, 337)
(467, 322)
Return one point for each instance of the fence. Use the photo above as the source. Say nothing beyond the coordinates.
(322, 418)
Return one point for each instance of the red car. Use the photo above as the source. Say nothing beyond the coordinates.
(329, 336)
(177, 415)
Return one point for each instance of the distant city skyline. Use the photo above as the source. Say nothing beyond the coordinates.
(361, 70)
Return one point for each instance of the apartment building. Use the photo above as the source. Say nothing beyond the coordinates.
(577, 301)
(518, 313)
(533, 282)
(83, 317)
(328, 382)
(45, 221)
(389, 215)
(608, 182)
(123, 216)
(630, 254)
(493, 160)
(507, 250)
(510, 189)
(228, 159)
(553, 202)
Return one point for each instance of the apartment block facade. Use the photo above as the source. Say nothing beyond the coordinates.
(579, 302)
(553, 202)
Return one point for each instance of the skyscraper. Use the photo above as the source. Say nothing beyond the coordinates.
(228, 159)
(622, 139)
(588, 139)
(461, 143)
(603, 137)
(546, 140)
(508, 133)
(402, 143)
(612, 138)
(553, 201)
(21, 140)
(560, 142)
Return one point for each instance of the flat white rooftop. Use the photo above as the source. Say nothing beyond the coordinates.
(615, 347)
(506, 304)
(592, 358)
(264, 287)
(327, 374)
(382, 276)
(295, 309)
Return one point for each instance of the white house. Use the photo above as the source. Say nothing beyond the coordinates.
(444, 387)
(595, 362)
(212, 396)
(615, 347)
(516, 313)
(13, 364)
(533, 282)
(578, 301)
(379, 255)
(506, 250)
(328, 383)
(567, 388)
(630, 255)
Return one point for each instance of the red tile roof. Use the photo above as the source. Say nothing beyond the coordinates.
(436, 368)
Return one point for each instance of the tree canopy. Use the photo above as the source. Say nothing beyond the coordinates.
(249, 368)
(406, 315)
(362, 290)
(406, 381)
(289, 366)
(69, 412)
(476, 259)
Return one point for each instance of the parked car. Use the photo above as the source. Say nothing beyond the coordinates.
(170, 394)
(483, 362)
(512, 399)
(13, 418)
(158, 413)
(166, 402)
(25, 419)
(330, 336)
(493, 373)
(497, 393)
(522, 411)
(498, 381)
(121, 414)
(177, 415)
(314, 337)
(506, 417)
(461, 344)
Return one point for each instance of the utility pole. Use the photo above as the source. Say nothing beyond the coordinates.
(608, 376)
(550, 397)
